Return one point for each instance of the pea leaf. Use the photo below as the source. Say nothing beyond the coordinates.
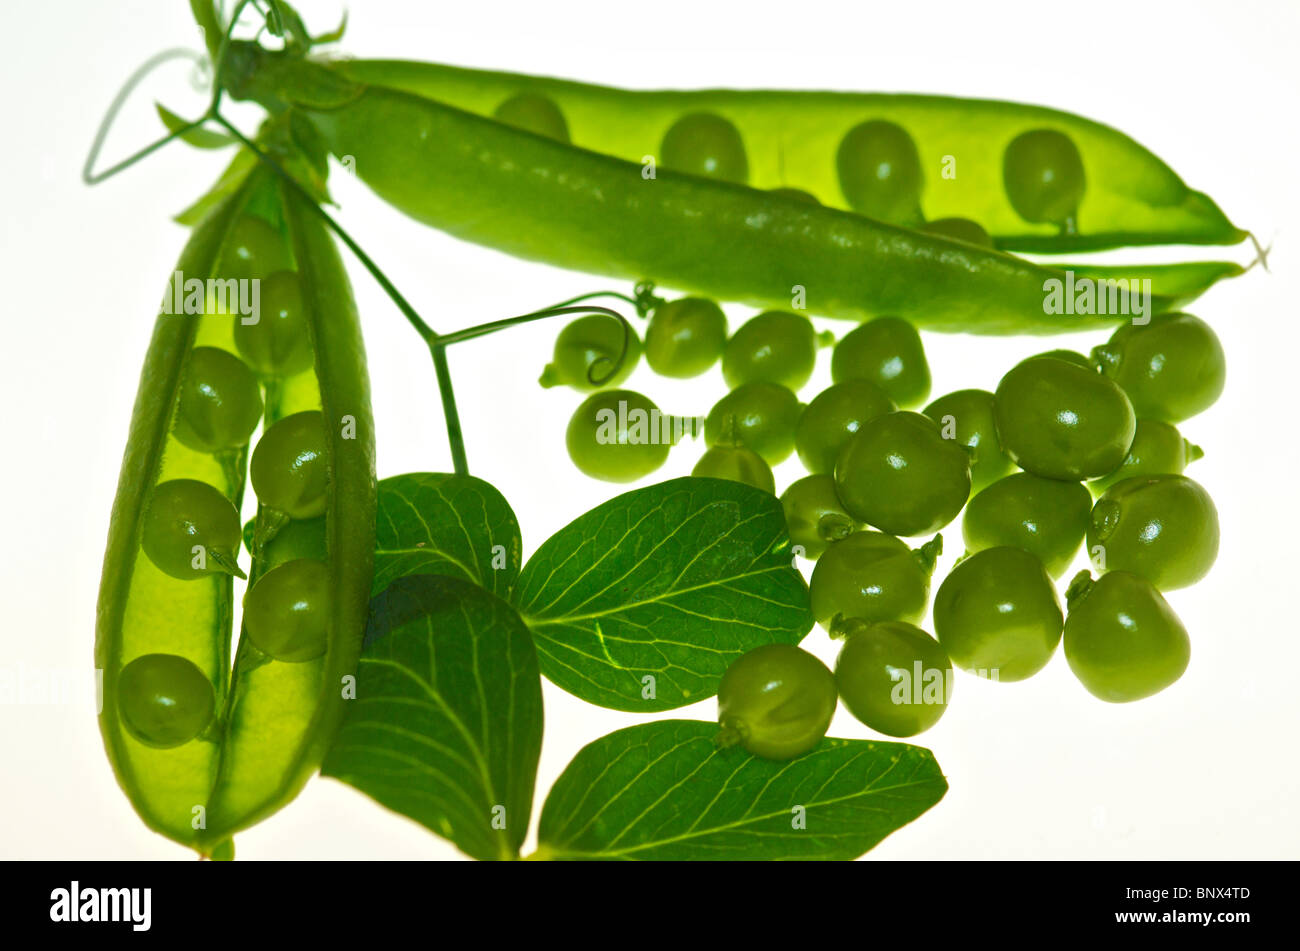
(663, 791)
(643, 602)
(431, 523)
(200, 138)
(446, 727)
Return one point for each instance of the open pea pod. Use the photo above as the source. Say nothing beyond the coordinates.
(792, 138)
(542, 199)
(258, 328)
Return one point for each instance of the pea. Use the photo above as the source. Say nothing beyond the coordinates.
(253, 250)
(774, 347)
(290, 467)
(997, 614)
(534, 113)
(814, 515)
(764, 416)
(279, 343)
(586, 351)
(1164, 528)
(1158, 449)
(775, 701)
(888, 352)
(165, 700)
(899, 474)
(894, 677)
(1042, 172)
(1046, 517)
(834, 415)
(1171, 369)
(191, 530)
(287, 611)
(737, 464)
(617, 436)
(219, 404)
(685, 337)
(959, 229)
(967, 418)
(1061, 421)
(707, 145)
(880, 172)
(795, 194)
(871, 576)
(1122, 639)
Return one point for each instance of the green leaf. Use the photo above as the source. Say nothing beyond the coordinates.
(446, 727)
(643, 602)
(663, 791)
(231, 179)
(432, 523)
(205, 15)
(200, 138)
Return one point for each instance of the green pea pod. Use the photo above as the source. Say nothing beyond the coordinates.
(540, 199)
(791, 138)
(202, 750)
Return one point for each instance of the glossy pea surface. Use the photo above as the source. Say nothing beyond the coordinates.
(761, 416)
(1042, 172)
(290, 466)
(775, 701)
(1158, 449)
(1122, 639)
(685, 337)
(880, 172)
(617, 436)
(833, 416)
(278, 343)
(966, 417)
(1163, 528)
(253, 250)
(774, 347)
(1046, 517)
(534, 113)
(997, 614)
(706, 144)
(1060, 420)
(164, 700)
(1171, 369)
(587, 352)
(886, 351)
(287, 610)
(871, 576)
(191, 530)
(899, 474)
(814, 515)
(219, 404)
(737, 464)
(894, 677)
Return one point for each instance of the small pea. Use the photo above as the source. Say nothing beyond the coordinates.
(1158, 449)
(880, 172)
(165, 700)
(1042, 172)
(761, 416)
(290, 466)
(707, 145)
(253, 250)
(1047, 517)
(617, 436)
(814, 515)
(1171, 368)
(888, 352)
(737, 464)
(685, 337)
(959, 229)
(586, 352)
(872, 577)
(287, 611)
(894, 677)
(774, 347)
(278, 344)
(534, 113)
(967, 418)
(775, 701)
(219, 404)
(1164, 528)
(795, 194)
(191, 530)
(831, 419)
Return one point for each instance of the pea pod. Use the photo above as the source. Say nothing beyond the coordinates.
(540, 199)
(791, 138)
(162, 636)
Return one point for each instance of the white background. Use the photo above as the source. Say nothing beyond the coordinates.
(1037, 769)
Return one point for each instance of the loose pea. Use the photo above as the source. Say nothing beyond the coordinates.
(1158, 449)
(834, 415)
(775, 701)
(959, 229)
(1042, 172)
(1047, 517)
(764, 416)
(165, 700)
(685, 337)
(707, 145)
(894, 677)
(534, 113)
(1171, 369)
(278, 344)
(774, 347)
(872, 577)
(880, 172)
(737, 464)
(219, 403)
(966, 417)
(290, 467)
(814, 515)
(617, 436)
(888, 352)
(586, 351)
(1164, 528)
(191, 530)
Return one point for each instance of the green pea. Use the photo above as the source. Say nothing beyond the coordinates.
(685, 337)
(959, 229)
(888, 352)
(894, 677)
(834, 415)
(871, 576)
(1122, 639)
(901, 476)
(301, 538)
(1046, 517)
(737, 464)
(1158, 449)
(774, 347)
(165, 700)
(997, 614)
(1062, 421)
(534, 113)
(219, 404)
(1164, 528)
(761, 416)
(880, 172)
(191, 530)
(707, 145)
(1069, 356)
(290, 466)
(795, 194)
(1042, 172)
(253, 250)
(287, 611)
(775, 701)
(814, 515)
(586, 351)
(966, 417)
(617, 436)
(1171, 368)
(278, 344)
